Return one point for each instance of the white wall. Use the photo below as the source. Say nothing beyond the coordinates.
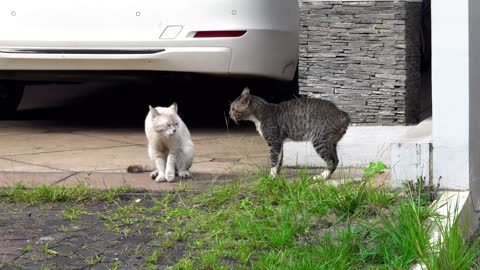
(450, 93)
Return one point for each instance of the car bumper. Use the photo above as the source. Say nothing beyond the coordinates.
(262, 53)
(171, 59)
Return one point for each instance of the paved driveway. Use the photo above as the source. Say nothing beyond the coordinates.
(91, 132)
(46, 152)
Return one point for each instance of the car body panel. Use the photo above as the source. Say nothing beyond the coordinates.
(269, 48)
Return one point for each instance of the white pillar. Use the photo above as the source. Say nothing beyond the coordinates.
(450, 93)
(474, 133)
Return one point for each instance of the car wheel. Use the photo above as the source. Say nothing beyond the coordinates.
(10, 96)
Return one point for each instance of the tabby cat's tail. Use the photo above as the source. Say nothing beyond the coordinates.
(139, 169)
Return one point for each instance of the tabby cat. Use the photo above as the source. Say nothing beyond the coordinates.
(316, 120)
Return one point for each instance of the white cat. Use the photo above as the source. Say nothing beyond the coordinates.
(170, 145)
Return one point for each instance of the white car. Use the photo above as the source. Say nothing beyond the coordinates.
(48, 39)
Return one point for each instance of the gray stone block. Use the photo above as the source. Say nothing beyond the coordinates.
(354, 52)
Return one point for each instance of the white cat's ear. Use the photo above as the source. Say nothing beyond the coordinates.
(173, 106)
(153, 111)
(246, 91)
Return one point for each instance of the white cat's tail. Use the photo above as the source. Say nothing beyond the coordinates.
(139, 169)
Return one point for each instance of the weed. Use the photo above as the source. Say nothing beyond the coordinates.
(421, 191)
(115, 265)
(372, 170)
(72, 213)
(168, 243)
(184, 264)
(26, 249)
(153, 259)
(94, 260)
(49, 251)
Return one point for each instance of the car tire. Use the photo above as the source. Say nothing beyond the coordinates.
(10, 96)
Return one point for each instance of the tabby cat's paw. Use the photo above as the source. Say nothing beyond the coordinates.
(323, 176)
(273, 172)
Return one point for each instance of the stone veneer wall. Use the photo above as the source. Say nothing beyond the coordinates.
(365, 56)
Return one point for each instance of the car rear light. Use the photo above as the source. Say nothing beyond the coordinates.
(219, 34)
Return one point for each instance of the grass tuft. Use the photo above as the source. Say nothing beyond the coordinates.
(79, 193)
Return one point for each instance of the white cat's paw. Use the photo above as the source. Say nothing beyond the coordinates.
(160, 178)
(154, 175)
(185, 174)
(323, 176)
(273, 172)
(170, 176)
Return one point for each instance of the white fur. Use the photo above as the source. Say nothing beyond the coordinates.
(273, 172)
(170, 151)
(257, 123)
(324, 175)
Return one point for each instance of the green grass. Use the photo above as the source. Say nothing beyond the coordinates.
(94, 260)
(403, 237)
(49, 251)
(72, 213)
(114, 265)
(263, 223)
(453, 251)
(152, 260)
(79, 193)
(304, 224)
(26, 249)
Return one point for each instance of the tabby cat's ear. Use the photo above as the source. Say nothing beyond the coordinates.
(173, 106)
(245, 97)
(246, 91)
(153, 111)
